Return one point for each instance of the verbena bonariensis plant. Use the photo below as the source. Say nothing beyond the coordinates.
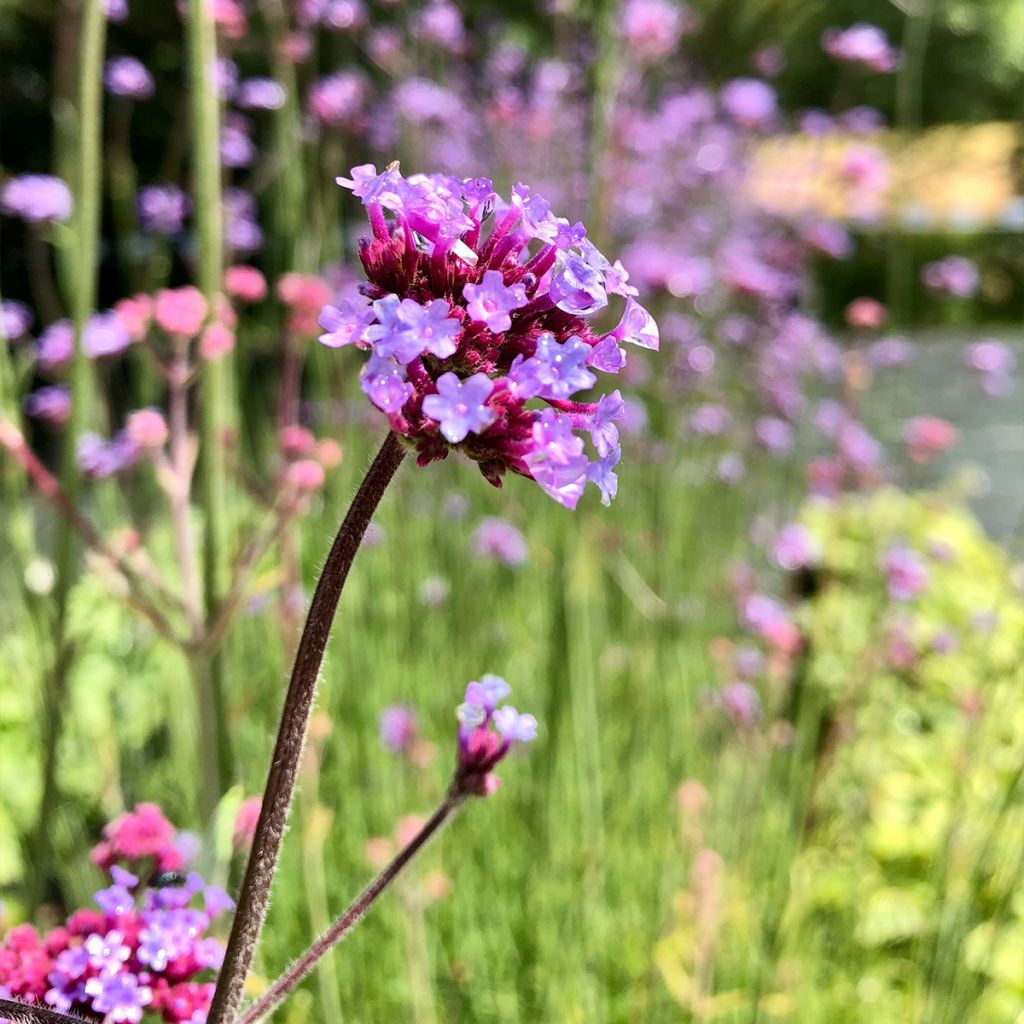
(465, 327)
(146, 951)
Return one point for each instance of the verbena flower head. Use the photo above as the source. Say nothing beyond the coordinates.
(476, 316)
(141, 953)
(487, 731)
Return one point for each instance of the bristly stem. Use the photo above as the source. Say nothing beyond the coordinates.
(34, 1013)
(280, 989)
(291, 734)
(205, 107)
(86, 234)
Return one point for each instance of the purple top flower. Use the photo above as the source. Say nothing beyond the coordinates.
(36, 198)
(127, 76)
(556, 370)
(162, 208)
(481, 747)
(578, 287)
(338, 98)
(49, 404)
(261, 94)
(905, 572)
(98, 458)
(491, 301)
(741, 703)
(499, 539)
(749, 102)
(347, 323)
(468, 325)
(105, 335)
(15, 319)
(460, 405)
(55, 345)
(398, 728)
(407, 330)
(795, 548)
(955, 276)
(862, 44)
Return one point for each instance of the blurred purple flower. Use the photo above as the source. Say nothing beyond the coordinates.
(36, 198)
(50, 404)
(498, 538)
(15, 319)
(162, 208)
(128, 76)
(398, 728)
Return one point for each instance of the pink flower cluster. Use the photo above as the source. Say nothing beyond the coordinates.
(145, 951)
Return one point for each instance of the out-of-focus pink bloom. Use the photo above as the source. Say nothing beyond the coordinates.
(749, 102)
(180, 311)
(305, 475)
(398, 729)
(135, 835)
(295, 441)
(866, 45)
(498, 538)
(305, 295)
(905, 572)
(769, 61)
(866, 314)
(338, 99)
(135, 314)
(147, 428)
(927, 436)
(901, 652)
(246, 819)
(955, 276)
(795, 548)
(741, 703)
(217, 341)
(652, 28)
(824, 477)
(245, 283)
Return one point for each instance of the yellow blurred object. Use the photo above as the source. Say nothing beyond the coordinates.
(959, 176)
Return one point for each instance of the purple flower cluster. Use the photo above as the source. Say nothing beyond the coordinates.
(487, 731)
(36, 198)
(143, 952)
(466, 326)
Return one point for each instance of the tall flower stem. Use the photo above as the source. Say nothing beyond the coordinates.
(291, 734)
(86, 231)
(205, 106)
(277, 992)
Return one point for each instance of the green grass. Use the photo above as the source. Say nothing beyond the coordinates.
(571, 896)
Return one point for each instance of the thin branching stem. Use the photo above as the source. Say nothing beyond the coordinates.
(280, 989)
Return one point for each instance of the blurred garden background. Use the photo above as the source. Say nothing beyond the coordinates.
(779, 681)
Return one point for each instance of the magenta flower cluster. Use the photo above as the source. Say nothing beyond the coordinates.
(479, 339)
(145, 951)
(487, 732)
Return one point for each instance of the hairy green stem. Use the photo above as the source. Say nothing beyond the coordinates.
(254, 894)
(86, 235)
(205, 106)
